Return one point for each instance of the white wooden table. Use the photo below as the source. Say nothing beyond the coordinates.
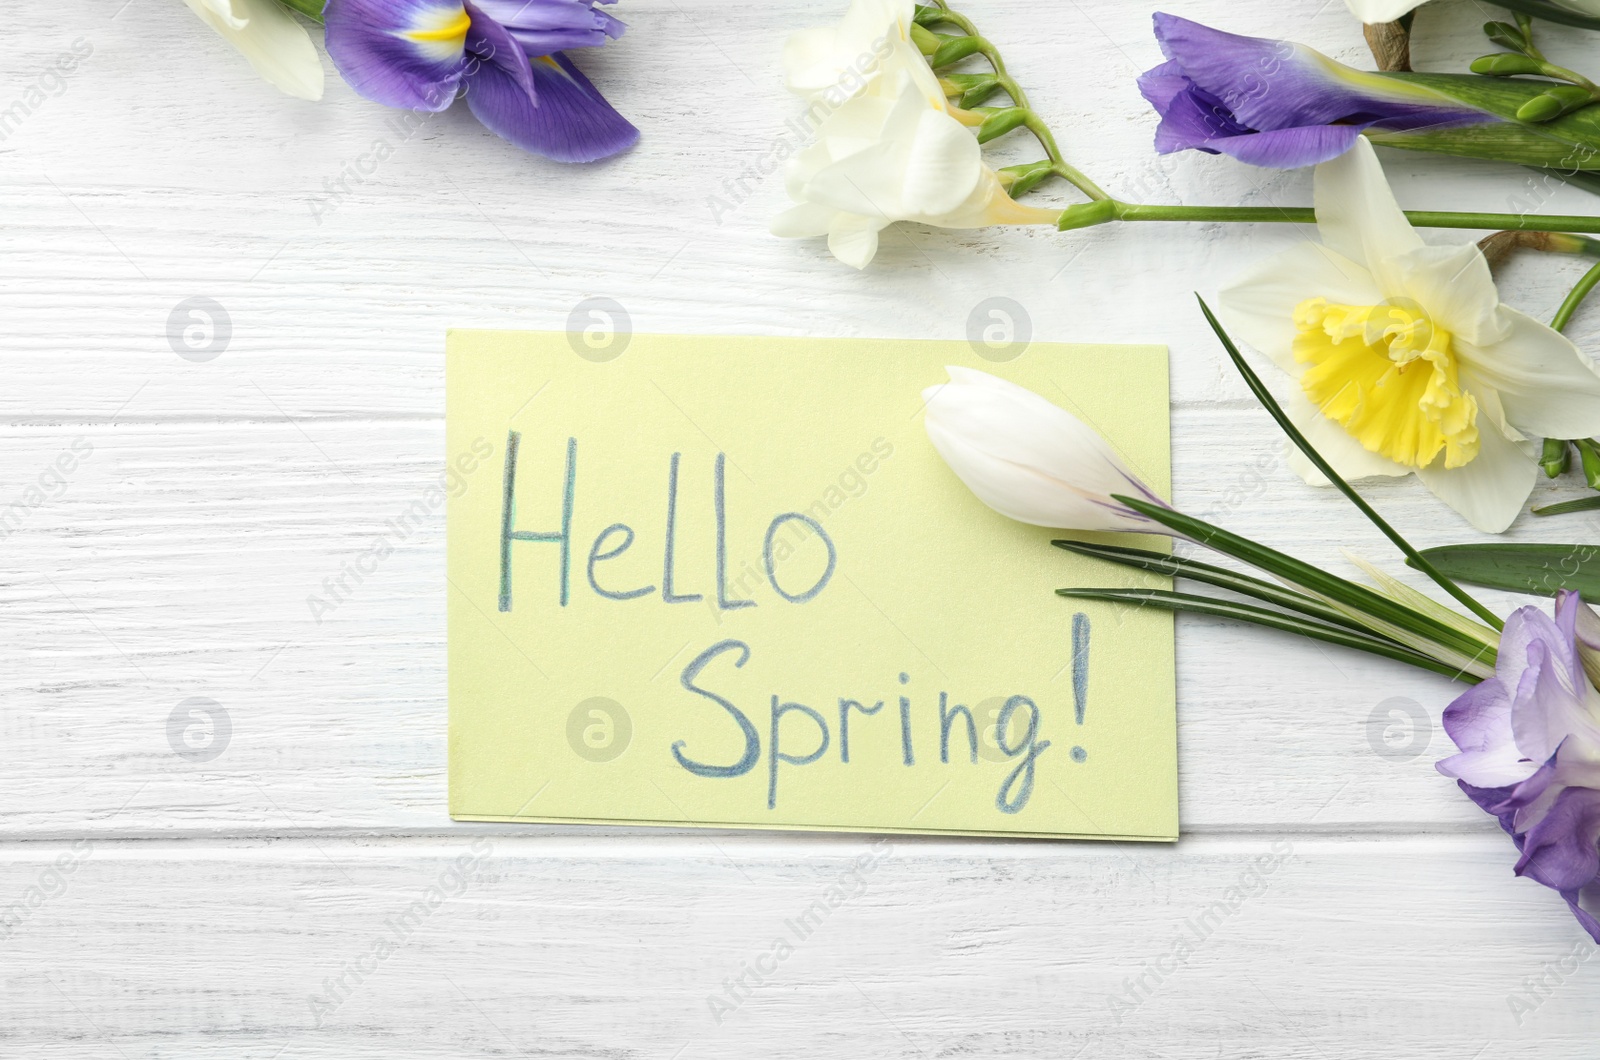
(178, 907)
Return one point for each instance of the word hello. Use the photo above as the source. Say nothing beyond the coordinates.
(784, 533)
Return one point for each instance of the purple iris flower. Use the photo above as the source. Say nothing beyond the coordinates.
(1273, 103)
(1529, 740)
(506, 54)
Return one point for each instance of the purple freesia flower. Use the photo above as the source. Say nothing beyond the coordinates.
(1529, 740)
(506, 54)
(1274, 103)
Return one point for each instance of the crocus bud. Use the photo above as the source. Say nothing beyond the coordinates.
(1031, 460)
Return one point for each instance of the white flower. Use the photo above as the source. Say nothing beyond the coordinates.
(1370, 11)
(267, 34)
(1406, 359)
(889, 146)
(1031, 460)
(836, 62)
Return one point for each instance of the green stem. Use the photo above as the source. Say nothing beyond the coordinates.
(1089, 214)
(1575, 298)
(1035, 125)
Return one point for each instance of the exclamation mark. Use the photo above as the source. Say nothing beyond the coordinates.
(1080, 675)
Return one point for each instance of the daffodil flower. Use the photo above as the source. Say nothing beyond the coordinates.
(267, 34)
(891, 149)
(505, 54)
(1406, 360)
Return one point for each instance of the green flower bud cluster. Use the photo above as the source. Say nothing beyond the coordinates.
(1524, 58)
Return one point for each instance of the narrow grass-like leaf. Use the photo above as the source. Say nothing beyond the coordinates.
(1270, 403)
(1261, 616)
(1540, 570)
(1398, 590)
(1582, 504)
(1303, 575)
(1221, 577)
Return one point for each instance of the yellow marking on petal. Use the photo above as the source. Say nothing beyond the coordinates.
(444, 28)
(1388, 375)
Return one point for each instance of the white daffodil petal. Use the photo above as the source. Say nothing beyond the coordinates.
(1259, 306)
(272, 40)
(1491, 489)
(1453, 283)
(1357, 215)
(1370, 11)
(1336, 445)
(1547, 386)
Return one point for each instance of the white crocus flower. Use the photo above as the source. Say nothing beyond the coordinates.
(1406, 359)
(267, 34)
(1030, 460)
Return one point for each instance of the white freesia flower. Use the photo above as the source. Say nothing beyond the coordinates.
(834, 63)
(1407, 361)
(267, 34)
(1031, 460)
(889, 146)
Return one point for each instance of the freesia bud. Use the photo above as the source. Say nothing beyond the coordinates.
(1031, 460)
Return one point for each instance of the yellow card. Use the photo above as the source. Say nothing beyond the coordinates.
(728, 582)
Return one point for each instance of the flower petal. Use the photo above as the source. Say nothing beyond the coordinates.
(267, 34)
(1490, 490)
(1452, 283)
(1479, 722)
(1357, 215)
(1338, 447)
(1548, 387)
(1259, 304)
(1371, 11)
(402, 53)
(853, 238)
(1560, 850)
(565, 119)
(546, 26)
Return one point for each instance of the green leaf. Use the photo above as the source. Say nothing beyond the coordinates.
(1537, 569)
(1183, 567)
(1261, 616)
(1583, 504)
(1313, 579)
